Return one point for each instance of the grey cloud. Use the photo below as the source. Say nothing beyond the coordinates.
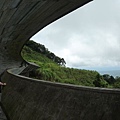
(88, 36)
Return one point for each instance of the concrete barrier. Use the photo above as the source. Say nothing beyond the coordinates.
(27, 99)
(30, 99)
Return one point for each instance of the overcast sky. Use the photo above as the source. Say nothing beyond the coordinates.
(88, 38)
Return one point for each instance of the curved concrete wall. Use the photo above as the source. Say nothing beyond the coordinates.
(21, 19)
(28, 99)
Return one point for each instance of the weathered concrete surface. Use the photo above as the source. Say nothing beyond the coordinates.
(27, 99)
(2, 114)
(21, 19)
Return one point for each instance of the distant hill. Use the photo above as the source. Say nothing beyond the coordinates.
(111, 72)
(43, 50)
(52, 68)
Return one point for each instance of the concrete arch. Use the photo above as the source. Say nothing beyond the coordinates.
(21, 19)
(27, 99)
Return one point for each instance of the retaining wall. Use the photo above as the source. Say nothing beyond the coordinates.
(28, 99)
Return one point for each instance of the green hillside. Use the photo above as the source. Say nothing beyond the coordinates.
(55, 71)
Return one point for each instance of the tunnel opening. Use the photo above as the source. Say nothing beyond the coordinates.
(94, 52)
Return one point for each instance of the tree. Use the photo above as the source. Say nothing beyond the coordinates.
(117, 82)
(109, 79)
(100, 82)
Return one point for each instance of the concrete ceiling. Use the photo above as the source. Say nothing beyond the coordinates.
(21, 19)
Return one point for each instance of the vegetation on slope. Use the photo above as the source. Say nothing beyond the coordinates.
(56, 71)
